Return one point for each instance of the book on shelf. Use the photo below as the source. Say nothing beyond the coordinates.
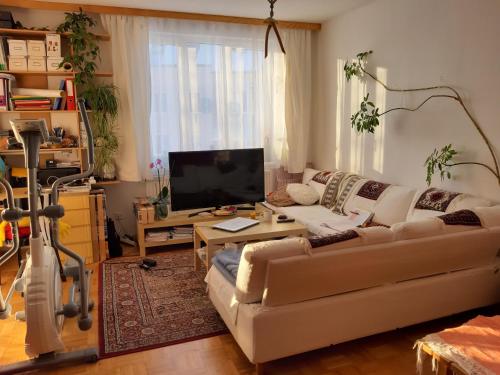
(70, 94)
(58, 102)
(3, 55)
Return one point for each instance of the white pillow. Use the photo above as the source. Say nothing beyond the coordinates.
(302, 194)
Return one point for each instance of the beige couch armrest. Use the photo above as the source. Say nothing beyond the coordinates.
(253, 265)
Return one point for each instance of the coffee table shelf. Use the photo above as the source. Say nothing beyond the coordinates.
(214, 238)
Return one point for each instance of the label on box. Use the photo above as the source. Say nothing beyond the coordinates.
(53, 45)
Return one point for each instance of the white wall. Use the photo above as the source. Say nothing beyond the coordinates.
(416, 43)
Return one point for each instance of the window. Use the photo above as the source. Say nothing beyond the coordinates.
(208, 94)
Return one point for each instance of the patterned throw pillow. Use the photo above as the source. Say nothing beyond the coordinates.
(435, 199)
(330, 194)
(372, 189)
(345, 190)
(280, 198)
(317, 241)
(461, 217)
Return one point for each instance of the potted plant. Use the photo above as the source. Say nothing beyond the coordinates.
(101, 98)
(160, 201)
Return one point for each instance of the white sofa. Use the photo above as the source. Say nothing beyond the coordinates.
(290, 298)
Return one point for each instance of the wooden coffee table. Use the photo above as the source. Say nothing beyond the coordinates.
(214, 238)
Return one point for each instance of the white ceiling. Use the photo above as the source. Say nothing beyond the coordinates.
(290, 10)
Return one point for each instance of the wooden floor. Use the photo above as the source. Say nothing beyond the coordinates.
(385, 354)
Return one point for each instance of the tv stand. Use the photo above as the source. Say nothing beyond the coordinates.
(181, 220)
(192, 214)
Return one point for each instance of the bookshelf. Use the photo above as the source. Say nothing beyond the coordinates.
(67, 119)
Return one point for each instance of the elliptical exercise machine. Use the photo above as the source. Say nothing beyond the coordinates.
(40, 276)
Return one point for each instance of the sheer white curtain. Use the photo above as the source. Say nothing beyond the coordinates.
(211, 88)
(298, 100)
(130, 55)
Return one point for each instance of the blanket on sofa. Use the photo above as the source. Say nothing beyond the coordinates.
(227, 262)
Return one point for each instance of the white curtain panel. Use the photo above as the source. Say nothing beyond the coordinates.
(130, 55)
(213, 89)
(298, 103)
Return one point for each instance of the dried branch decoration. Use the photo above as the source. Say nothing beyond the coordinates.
(367, 119)
(271, 24)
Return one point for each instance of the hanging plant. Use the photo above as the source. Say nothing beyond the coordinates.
(367, 120)
(101, 98)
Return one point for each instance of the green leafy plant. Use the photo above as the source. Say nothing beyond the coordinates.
(103, 101)
(355, 69)
(367, 119)
(439, 161)
(84, 49)
(102, 98)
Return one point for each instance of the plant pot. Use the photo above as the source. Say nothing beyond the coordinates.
(161, 209)
(109, 172)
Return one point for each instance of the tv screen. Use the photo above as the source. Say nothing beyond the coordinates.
(202, 179)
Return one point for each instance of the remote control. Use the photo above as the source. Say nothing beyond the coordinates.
(288, 220)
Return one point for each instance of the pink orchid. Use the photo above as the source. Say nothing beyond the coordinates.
(158, 162)
(151, 165)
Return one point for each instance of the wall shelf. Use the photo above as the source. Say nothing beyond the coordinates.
(40, 111)
(110, 182)
(42, 150)
(55, 74)
(42, 34)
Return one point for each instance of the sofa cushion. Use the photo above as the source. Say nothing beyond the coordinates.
(280, 198)
(393, 205)
(461, 217)
(332, 189)
(302, 194)
(459, 202)
(349, 184)
(375, 235)
(418, 229)
(308, 175)
(318, 241)
(489, 216)
(319, 182)
(435, 199)
(253, 265)
(365, 195)
(372, 189)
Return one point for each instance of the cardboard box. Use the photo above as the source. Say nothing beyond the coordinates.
(53, 45)
(37, 64)
(36, 48)
(53, 64)
(17, 47)
(18, 64)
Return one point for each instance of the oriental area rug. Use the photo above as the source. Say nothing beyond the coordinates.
(166, 305)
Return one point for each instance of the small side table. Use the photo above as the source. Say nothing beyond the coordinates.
(215, 238)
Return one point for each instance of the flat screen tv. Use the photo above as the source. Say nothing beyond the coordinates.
(204, 179)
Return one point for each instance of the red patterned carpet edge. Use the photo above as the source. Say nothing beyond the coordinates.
(104, 353)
